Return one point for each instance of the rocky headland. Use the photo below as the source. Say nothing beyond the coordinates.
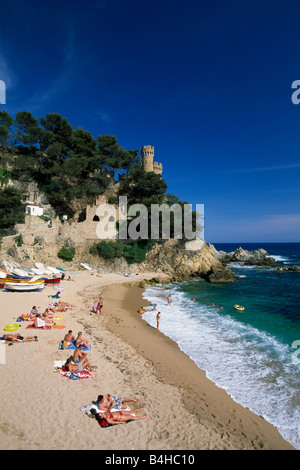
(260, 258)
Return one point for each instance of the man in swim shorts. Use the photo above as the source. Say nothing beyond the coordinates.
(19, 338)
(79, 357)
(68, 339)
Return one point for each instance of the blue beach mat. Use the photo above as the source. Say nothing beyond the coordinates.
(72, 346)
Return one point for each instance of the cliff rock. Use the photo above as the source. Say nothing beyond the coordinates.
(173, 258)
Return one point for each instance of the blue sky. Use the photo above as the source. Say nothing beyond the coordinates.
(207, 83)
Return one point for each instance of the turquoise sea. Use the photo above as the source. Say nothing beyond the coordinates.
(255, 354)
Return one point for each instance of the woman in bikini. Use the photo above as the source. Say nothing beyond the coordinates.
(107, 418)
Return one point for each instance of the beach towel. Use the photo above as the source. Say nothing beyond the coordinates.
(81, 374)
(93, 411)
(46, 327)
(86, 409)
(72, 346)
(24, 318)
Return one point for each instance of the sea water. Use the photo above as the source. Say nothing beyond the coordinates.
(254, 354)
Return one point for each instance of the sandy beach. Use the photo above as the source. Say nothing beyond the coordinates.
(40, 409)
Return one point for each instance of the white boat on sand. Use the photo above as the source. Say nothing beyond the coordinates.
(85, 266)
(53, 270)
(23, 286)
(42, 268)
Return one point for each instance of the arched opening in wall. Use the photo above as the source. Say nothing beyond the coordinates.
(82, 216)
(96, 218)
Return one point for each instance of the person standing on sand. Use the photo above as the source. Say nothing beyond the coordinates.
(99, 307)
(157, 320)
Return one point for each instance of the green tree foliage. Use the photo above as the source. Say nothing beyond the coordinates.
(134, 253)
(6, 122)
(11, 209)
(115, 158)
(70, 164)
(26, 130)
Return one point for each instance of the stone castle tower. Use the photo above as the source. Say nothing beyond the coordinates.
(147, 152)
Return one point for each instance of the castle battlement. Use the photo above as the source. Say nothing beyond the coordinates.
(147, 153)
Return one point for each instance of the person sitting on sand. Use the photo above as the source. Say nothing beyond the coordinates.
(116, 417)
(19, 338)
(34, 311)
(80, 357)
(39, 322)
(141, 310)
(71, 367)
(68, 340)
(80, 340)
(48, 313)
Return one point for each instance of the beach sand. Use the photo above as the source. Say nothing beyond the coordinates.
(40, 409)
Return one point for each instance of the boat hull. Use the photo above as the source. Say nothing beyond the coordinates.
(47, 280)
(23, 287)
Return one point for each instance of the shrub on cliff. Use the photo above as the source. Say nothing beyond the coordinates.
(134, 253)
(67, 254)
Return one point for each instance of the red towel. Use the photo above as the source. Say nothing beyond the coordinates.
(46, 327)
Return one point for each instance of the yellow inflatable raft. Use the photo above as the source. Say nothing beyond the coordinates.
(239, 307)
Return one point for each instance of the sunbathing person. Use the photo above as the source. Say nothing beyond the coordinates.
(68, 339)
(34, 311)
(71, 367)
(19, 338)
(55, 296)
(99, 307)
(111, 402)
(79, 357)
(80, 340)
(116, 417)
(39, 322)
(48, 313)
